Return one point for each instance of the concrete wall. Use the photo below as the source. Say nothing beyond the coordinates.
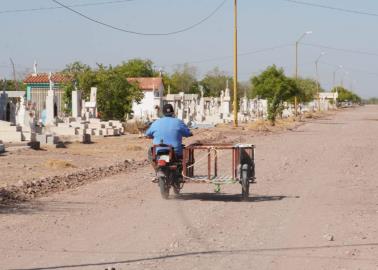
(148, 103)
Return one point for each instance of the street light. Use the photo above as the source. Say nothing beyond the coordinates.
(334, 75)
(296, 64)
(352, 84)
(317, 77)
(346, 73)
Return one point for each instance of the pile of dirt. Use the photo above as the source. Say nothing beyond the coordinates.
(24, 191)
(211, 136)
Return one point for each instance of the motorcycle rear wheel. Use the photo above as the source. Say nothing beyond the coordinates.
(164, 188)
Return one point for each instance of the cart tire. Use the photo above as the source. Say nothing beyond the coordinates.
(245, 182)
(176, 191)
(164, 188)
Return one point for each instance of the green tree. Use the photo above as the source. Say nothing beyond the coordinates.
(308, 89)
(82, 76)
(136, 68)
(345, 95)
(215, 81)
(115, 94)
(372, 100)
(184, 79)
(273, 85)
(11, 85)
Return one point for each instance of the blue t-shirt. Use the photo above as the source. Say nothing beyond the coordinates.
(170, 130)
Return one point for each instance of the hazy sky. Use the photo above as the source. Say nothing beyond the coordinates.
(56, 37)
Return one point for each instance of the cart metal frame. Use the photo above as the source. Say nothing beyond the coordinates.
(241, 154)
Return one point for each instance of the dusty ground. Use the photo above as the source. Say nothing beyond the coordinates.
(24, 164)
(315, 184)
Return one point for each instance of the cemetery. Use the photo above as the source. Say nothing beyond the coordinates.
(36, 117)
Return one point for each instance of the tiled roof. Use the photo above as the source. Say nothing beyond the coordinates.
(44, 78)
(147, 83)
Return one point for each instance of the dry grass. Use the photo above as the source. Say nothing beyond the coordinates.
(266, 126)
(135, 127)
(59, 164)
(133, 148)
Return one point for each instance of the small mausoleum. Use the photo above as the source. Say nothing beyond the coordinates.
(153, 90)
(37, 86)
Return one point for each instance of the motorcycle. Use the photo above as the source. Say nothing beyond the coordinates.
(168, 169)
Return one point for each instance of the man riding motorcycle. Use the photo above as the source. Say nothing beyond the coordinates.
(168, 130)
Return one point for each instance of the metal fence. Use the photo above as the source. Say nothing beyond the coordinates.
(38, 97)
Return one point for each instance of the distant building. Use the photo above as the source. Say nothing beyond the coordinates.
(37, 86)
(328, 95)
(153, 90)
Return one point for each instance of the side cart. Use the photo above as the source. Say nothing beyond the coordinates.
(241, 170)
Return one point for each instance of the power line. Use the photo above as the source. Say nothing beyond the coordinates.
(340, 49)
(52, 8)
(350, 68)
(239, 54)
(141, 33)
(333, 8)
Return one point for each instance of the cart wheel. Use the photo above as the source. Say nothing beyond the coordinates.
(245, 182)
(176, 191)
(164, 188)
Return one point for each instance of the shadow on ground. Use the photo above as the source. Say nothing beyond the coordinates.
(29, 208)
(230, 197)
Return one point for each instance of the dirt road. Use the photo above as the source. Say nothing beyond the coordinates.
(315, 206)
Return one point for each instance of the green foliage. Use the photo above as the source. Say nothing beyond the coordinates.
(10, 85)
(273, 85)
(83, 76)
(345, 95)
(372, 100)
(184, 79)
(215, 81)
(136, 68)
(114, 94)
(308, 89)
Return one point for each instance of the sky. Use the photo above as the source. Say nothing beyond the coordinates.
(56, 37)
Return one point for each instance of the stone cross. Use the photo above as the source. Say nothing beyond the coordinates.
(51, 82)
(35, 68)
(201, 90)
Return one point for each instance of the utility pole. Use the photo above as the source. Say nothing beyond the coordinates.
(334, 75)
(318, 79)
(235, 103)
(296, 66)
(14, 75)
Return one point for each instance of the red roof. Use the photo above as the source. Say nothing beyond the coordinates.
(147, 83)
(44, 78)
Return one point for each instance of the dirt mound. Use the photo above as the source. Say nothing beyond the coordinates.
(24, 191)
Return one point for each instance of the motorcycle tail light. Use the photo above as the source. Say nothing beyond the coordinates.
(162, 162)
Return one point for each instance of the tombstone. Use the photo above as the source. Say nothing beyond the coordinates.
(51, 106)
(226, 102)
(93, 96)
(3, 103)
(11, 112)
(180, 114)
(91, 106)
(76, 103)
(244, 105)
(20, 112)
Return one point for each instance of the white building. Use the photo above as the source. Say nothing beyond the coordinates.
(153, 90)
